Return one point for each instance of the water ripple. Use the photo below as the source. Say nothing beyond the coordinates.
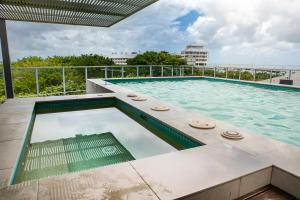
(273, 113)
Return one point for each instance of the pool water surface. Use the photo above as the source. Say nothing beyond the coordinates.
(270, 112)
(139, 141)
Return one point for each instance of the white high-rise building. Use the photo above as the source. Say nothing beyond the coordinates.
(121, 58)
(195, 55)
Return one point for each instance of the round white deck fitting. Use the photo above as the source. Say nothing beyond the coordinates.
(232, 135)
(131, 95)
(160, 108)
(139, 99)
(201, 124)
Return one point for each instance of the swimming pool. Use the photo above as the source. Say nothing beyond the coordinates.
(73, 135)
(272, 111)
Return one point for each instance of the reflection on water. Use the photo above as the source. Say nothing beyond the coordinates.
(134, 137)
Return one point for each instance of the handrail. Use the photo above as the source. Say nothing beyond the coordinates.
(164, 70)
(218, 66)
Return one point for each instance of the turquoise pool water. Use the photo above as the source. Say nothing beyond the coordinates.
(270, 112)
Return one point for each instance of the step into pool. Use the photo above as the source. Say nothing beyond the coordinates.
(74, 135)
(55, 157)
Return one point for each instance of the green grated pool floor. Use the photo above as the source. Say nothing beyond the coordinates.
(56, 157)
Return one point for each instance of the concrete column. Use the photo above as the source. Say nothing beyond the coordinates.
(9, 90)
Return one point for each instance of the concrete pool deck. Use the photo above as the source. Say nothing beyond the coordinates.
(221, 169)
(295, 77)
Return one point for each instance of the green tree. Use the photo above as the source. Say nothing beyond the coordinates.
(50, 80)
(156, 58)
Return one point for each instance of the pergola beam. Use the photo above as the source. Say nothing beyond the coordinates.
(6, 60)
(71, 6)
(101, 13)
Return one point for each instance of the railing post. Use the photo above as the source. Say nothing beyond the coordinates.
(290, 74)
(181, 71)
(203, 71)
(37, 81)
(105, 72)
(226, 71)
(64, 79)
(150, 70)
(271, 72)
(254, 74)
(192, 70)
(172, 70)
(85, 74)
(122, 71)
(162, 71)
(240, 74)
(215, 72)
(137, 71)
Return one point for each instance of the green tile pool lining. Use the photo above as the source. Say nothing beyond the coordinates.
(62, 156)
(171, 135)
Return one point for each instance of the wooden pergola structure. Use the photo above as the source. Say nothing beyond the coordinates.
(99, 13)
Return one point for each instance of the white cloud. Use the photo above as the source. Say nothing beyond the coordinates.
(245, 31)
(249, 30)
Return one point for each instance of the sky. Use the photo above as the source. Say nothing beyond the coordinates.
(234, 32)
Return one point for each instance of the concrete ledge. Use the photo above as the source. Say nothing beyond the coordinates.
(202, 169)
(286, 181)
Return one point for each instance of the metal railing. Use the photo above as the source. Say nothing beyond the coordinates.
(42, 74)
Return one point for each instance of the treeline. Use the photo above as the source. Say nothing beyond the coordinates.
(156, 58)
(82, 60)
(50, 79)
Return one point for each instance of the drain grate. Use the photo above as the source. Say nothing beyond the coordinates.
(61, 156)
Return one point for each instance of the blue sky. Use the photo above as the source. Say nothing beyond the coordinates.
(183, 22)
(234, 32)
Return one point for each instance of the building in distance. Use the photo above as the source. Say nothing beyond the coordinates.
(195, 55)
(122, 57)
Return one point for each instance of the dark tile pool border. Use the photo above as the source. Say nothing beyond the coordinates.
(213, 79)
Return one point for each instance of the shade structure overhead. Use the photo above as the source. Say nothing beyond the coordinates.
(101, 13)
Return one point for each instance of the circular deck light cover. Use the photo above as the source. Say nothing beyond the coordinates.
(160, 108)
(202, 124)
(131, 95)
(139, 99)
(232, 135)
